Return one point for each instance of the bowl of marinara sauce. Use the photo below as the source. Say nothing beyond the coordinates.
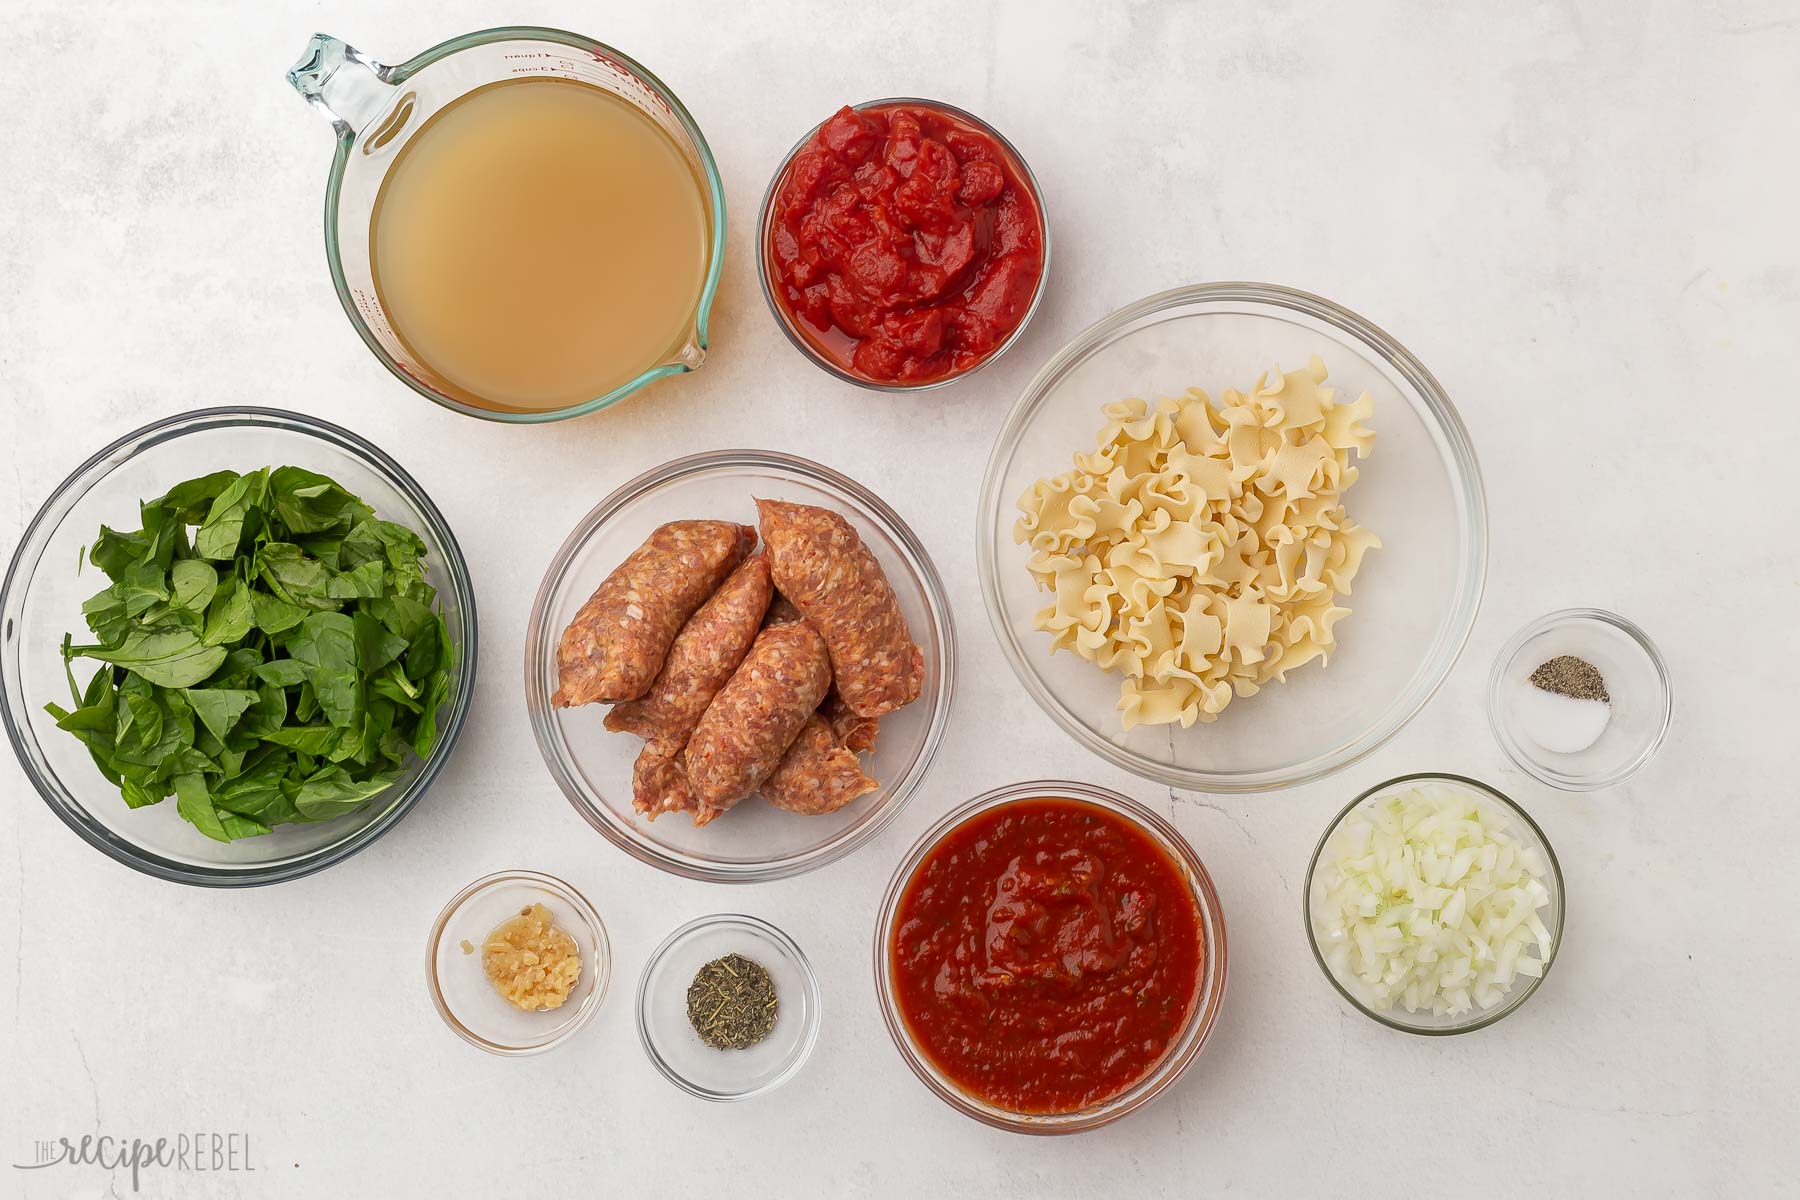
(903, 244)
(1050, 957)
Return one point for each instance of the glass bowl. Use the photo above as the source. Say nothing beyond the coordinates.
(804, 340)
(755, 841)
(42, 599)
(670, 1040)
(460, 990)
(1179, 1055)
(1637, 682)
(1420, 492)
(1521, 827)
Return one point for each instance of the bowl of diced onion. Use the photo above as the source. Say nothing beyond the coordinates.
(1434, 904)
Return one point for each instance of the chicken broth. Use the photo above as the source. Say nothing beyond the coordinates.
(539, 243)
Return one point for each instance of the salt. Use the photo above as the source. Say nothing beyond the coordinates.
(1560, 724)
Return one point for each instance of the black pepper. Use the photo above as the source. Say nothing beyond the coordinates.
(1576, 678)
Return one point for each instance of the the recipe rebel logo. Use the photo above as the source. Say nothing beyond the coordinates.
(195, 1153)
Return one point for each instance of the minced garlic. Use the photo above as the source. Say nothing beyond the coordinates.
(531, 963)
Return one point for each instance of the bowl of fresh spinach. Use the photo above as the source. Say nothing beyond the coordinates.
(236, 646)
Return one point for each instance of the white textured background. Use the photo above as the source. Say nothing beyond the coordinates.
(1581, 216)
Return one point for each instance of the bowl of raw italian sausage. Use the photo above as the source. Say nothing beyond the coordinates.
(739, 666)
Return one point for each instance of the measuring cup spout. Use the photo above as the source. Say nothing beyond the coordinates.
(346, 86)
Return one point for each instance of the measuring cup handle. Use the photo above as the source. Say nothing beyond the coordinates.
(345, 85)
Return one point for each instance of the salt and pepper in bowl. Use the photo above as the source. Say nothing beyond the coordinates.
(1580, 699)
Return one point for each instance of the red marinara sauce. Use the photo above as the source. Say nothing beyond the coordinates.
(1046, 955)
(905, 242)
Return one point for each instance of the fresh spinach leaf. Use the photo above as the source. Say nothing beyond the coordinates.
(326, 645)
(306, 739)
(192, 583)
(171, 658)
(219, 708)
(138, 719)
(195, 802)
(141, 587)
(295, 577)
(425, 733)
(283, 672)
(273, 615)
(113, 551)
(230, 616)
(269, 653)
(260, 794)
(139, 795)
(333, 791)
(365, 581)
(166, 535)
(266, 716)
(233, 514)
(375, 646)
(362, 544)
(189, 499)
(238, 670)
(306, 502)
(428, 652)
(105, 615)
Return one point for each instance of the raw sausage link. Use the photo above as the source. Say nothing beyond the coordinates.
(820, 563)
(756, 716)
(857, 733)
(818, 774)
(614, 647)
(659, 784)
(706, 652)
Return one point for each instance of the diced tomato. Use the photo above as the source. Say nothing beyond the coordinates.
(981, 183)
(879, 358)
(849, 135)
(921, 333)
(912, 233)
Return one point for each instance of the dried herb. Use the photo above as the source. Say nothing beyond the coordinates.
(1576, 678)
(732, 1003)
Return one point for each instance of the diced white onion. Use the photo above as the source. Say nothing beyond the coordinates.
(1423, 899)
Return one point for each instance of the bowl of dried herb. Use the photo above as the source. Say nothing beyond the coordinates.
(728, 1007)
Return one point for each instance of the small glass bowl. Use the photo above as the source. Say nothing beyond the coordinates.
(805, 341)
(1637, 680)
(1521, 827)
(459, 984)
(1181, 1052)
(669, 1039)
(1420, 492)
(755, 841)
(49, 578)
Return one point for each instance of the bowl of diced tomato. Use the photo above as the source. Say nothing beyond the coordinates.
(903, 244)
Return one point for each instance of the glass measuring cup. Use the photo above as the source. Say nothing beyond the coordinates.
(375, 109)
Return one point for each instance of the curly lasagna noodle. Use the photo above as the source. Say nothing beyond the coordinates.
(1201, 549)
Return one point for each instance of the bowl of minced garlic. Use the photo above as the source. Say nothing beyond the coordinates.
(531, 963)
(543, 966)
